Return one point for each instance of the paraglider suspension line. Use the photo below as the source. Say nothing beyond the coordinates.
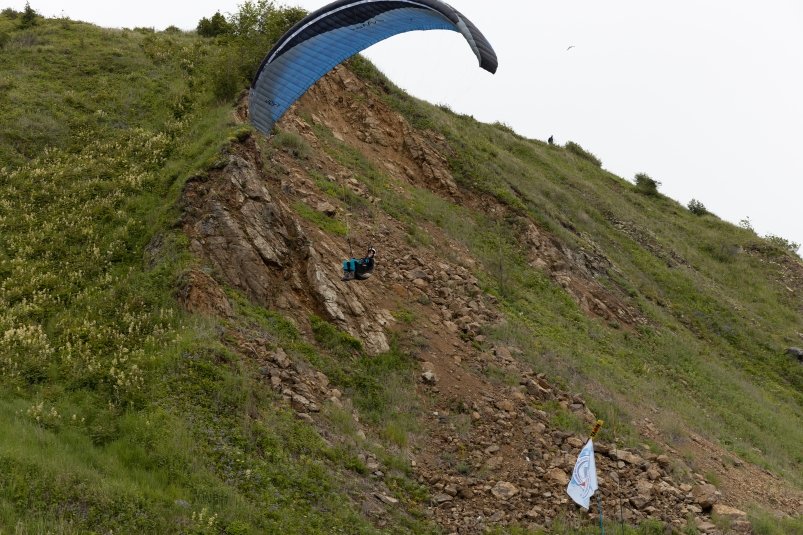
(348, 227)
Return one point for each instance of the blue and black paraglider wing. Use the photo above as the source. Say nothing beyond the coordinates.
(334, 33)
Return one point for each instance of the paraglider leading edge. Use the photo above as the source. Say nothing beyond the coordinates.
(332, 34)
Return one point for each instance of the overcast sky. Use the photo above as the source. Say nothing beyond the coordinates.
(704, 96)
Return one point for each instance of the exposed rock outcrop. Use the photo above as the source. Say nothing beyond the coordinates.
(201, 294)
(238, 220)
(578, 272)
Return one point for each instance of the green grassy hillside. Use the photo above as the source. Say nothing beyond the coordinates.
(119, 412)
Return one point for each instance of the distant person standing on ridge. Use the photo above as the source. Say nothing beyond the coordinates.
(551, 140)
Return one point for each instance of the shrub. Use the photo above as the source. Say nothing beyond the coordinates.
(264, 19)
(782, 243)
(445, 107)
(577, 150)
(29, 17)
(722, 252)
(292, 143)
(173, 29)
(250, 32)
(746, 224)
(322, 221)
(504, 127)
(333, 339)
(227, 76)
(9, 13)
(3, 40)
(697, 208)
(217, 25)
(646, 185)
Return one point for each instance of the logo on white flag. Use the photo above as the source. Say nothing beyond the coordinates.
(584, 477)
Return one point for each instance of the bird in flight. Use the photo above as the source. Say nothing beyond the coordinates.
(570, 47)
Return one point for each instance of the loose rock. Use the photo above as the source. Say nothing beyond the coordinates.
(504, 490)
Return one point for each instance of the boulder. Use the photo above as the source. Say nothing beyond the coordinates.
(201, 294)
(497, 517)
(505, 405)
(416, 274)
(706, 527)
(280, 358)
(504, 490)
(535, 512)
(644, 488)
(558, 476)
(441, 498)
(574, 442)
(706, 496)
(538, 391)
(465, 493)
(429, 378)
(494, 463)
(731, 513)
(664, 461)
(502, 352)
(326, 208)
(300, 403)
(639, 502)
(386, 499)
(795, 352)
(626, 456)
(451, 326)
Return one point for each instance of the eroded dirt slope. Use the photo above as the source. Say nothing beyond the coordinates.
(487, 456)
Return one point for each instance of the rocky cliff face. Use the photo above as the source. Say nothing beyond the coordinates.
(243, 225)
(252, 240)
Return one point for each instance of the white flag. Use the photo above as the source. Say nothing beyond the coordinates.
(584, 478)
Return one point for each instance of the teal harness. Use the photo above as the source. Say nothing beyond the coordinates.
(358, 268)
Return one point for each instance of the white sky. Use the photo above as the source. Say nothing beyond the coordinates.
(704, 96)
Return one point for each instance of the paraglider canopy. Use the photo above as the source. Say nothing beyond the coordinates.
(328, 36)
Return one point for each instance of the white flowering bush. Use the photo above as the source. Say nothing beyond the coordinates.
(72, 236)
(25, 353)
(44, 415)
(203, 522)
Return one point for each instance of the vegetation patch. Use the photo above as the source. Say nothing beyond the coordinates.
(577, 150)
(648, 186)
(324, 222)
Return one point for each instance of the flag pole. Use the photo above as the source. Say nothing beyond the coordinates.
(599, 506)
(597, 427)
